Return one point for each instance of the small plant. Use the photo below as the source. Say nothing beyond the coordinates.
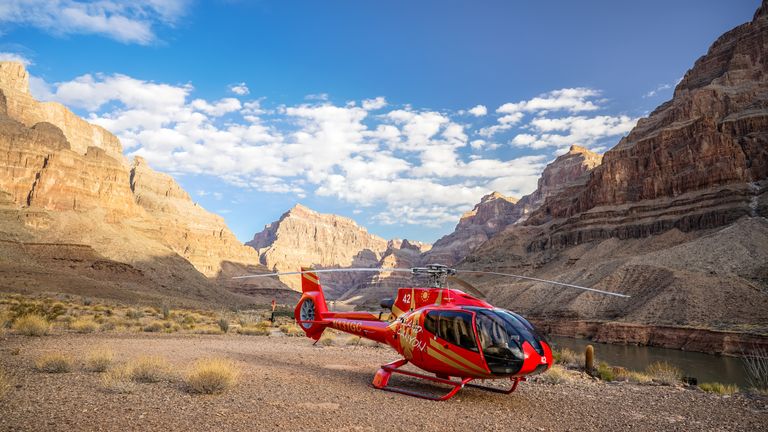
(83, 325)
(555, 375)
(605, 372)
(5, 383)
(154, 327)
(664, 373)
(253, 331)
(291, 330)
(31, 325)
(54, 363)
(87, 301)
(354, 340)
(118, 380)
(148, 369)
(632, 376)
(99, 359)
(567, 358)
(134, 314)
(223, 324)
(756, 366)
(718, 388)
(327, 339)
(589, 358)
(211, 376)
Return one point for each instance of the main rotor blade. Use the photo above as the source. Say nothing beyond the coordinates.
(467, 286)
(335, 270)
(545, 281)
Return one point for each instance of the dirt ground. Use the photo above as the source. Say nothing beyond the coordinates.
(287, 384)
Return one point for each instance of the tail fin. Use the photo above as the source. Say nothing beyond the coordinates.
(311, 309)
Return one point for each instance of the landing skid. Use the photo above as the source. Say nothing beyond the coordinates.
(381, 379)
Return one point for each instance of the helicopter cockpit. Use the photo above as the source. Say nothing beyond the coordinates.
(500, 335)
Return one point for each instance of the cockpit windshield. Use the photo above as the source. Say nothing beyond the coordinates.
(501, 335)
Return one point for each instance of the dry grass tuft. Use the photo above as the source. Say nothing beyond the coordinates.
(211, 376)
(327, 339)
(5, 383)
(664, 373)
(254, 330)
(721, 389)
(632, 376)
(54, 363)
(555, 375)
(118, 380)
(83, 325)
(154, 327)
(291, 330)
(32, 325)
(568, 358)
(99, 360)
(148, 369)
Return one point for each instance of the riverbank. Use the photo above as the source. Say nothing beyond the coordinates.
(289, 384)
(681, 338)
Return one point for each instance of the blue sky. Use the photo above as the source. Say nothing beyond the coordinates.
(399, 114)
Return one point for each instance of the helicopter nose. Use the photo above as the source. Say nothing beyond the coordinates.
(535, 363)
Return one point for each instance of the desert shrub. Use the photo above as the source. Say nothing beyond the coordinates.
(154, 327)
(108, 325)
(756, 366)
(99, 359)
(83, 325)
(49, 311)
(173, 328)
(118, 380)
(87, 301)
(568, 358)
(664, 373)
(722, 389)
(605, 372)
(632, 376)
(5, 383)
(208, 330)
(291, 330)
(223, 324)
(211, 376)
(555, 375)
(134, 314)
(253, 331)
(166, 312)
(54, 363)
(31, 325)
(327, 339)
(148, 369)
(354, 340)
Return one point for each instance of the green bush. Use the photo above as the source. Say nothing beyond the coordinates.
(605, 372)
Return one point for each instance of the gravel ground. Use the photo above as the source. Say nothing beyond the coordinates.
(288, 384)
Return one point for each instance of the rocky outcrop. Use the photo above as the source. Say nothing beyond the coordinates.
(674, 215)
(21, 106)
(67, 183)
(491, 215)
(305, 238)
(495, 212)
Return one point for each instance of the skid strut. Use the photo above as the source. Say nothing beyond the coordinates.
(381, 379)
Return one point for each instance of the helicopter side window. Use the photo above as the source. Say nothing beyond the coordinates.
(452, 326)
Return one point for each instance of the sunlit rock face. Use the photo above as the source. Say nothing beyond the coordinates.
(74, 179)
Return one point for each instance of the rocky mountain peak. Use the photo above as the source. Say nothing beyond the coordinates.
(14, 76)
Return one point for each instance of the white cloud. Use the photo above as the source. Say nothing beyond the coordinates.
(239, 89)
(15, 57)
(478, 110)
(376, 103)
(412, 166)
(122, 20)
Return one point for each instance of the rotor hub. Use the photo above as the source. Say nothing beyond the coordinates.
(437, 274)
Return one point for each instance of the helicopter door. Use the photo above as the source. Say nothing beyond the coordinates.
(451, 342)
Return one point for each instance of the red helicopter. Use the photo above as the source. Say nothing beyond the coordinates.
(446, 332)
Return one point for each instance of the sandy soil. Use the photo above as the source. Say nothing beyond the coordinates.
(288, 384)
